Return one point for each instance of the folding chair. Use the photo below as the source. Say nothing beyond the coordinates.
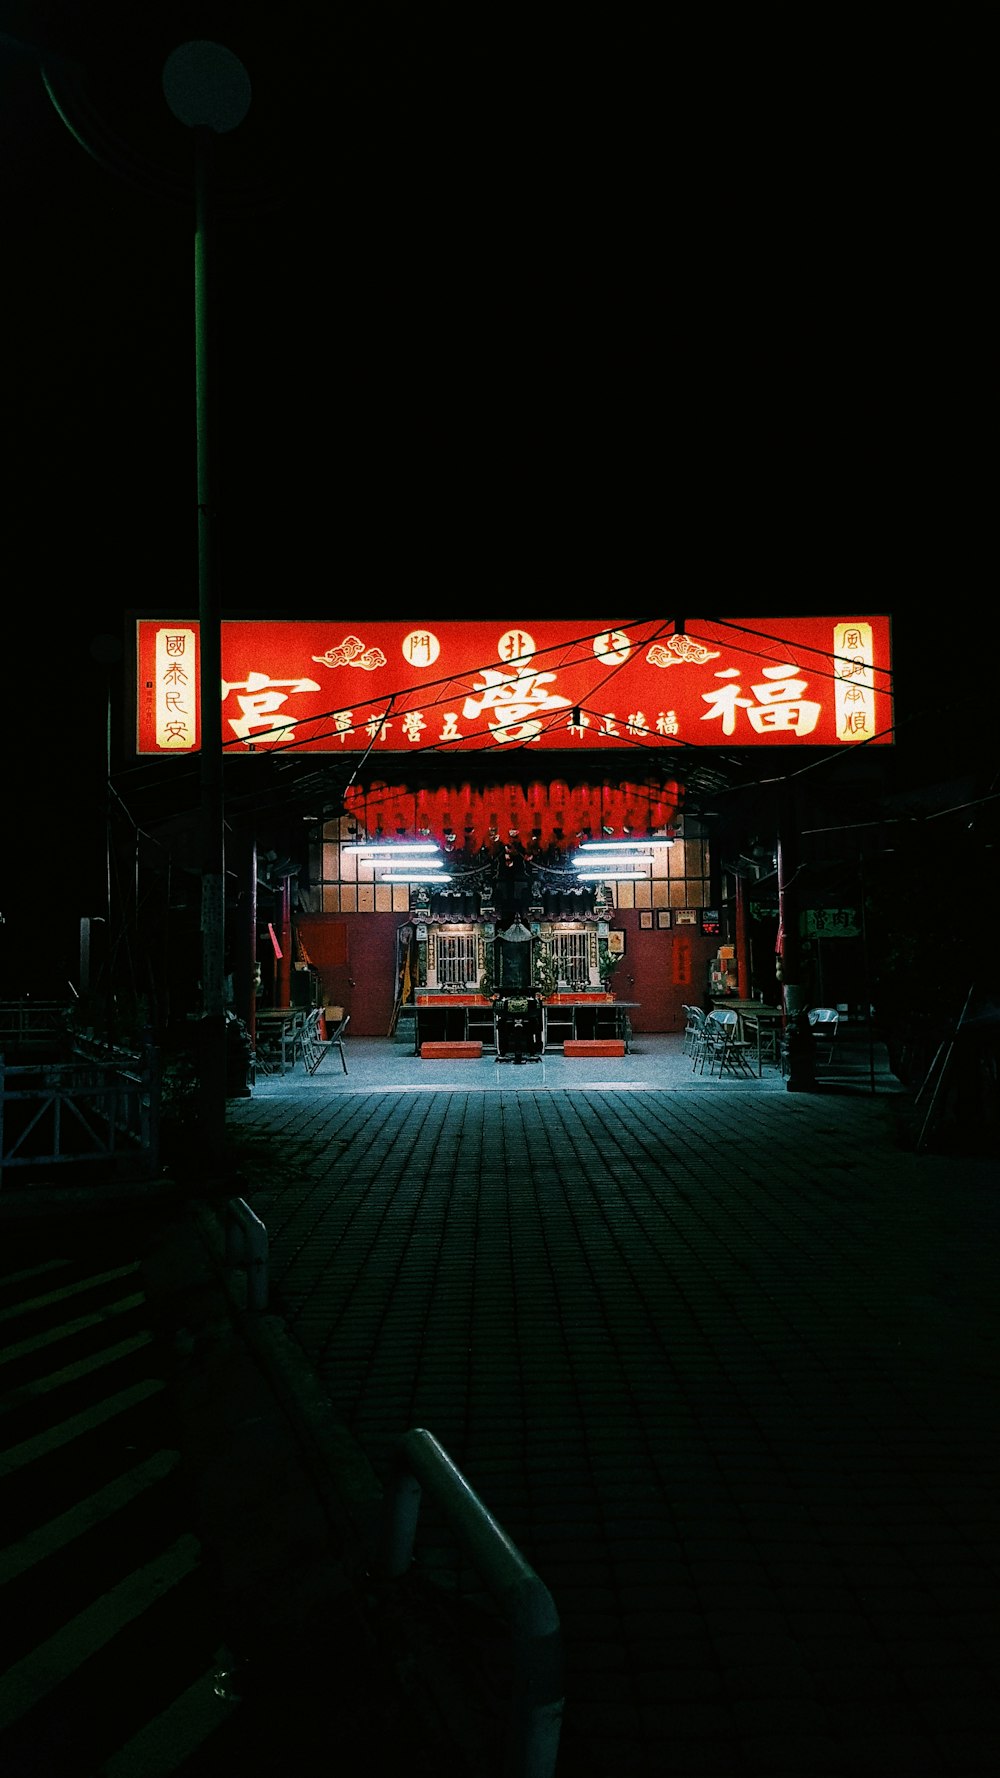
(335, 1040)
(734, 1053)
(722, 1048)
(694, 1024)
(707, 1035)
(824, 1021)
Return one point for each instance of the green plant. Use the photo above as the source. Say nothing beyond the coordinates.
(607, 966)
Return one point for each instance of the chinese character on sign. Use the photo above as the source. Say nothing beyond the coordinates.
(854, 681)
(614, 646)
(519, 702)
(831, 923)
(176, 692)
(259, 697)
(780, 704)
(515, 645)
(421, 648)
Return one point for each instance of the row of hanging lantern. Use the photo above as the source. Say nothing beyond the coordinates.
(467, 816)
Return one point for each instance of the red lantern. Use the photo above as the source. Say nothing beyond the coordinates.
(672, 800)
(375, 810)
(516, 812)
(559, 804)
(582, 817)
(354, 808)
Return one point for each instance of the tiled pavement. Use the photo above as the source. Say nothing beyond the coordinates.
(721, 1359)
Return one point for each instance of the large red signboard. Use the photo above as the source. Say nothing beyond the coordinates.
(397, 688)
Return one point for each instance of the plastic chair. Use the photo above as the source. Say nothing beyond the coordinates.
(823, 1021)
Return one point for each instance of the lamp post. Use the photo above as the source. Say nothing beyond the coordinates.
(794, 990)
(208, 90)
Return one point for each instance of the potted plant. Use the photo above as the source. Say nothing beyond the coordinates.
(606, 969)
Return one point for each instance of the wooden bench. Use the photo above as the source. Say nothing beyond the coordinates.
(446, 1052)
(594, 1046)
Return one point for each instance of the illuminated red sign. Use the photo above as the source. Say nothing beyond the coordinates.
(398, 688)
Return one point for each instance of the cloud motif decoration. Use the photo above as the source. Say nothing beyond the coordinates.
(351, 652)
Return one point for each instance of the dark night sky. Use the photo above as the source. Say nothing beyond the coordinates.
(442, 307)
(514, 312)
(505, 309)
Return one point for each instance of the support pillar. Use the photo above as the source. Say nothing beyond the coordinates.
(742, 941)
(285, 960)
(790, 965)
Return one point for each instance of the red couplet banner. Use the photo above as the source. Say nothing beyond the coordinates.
(328, 685)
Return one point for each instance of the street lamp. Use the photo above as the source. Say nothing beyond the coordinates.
(208, 90)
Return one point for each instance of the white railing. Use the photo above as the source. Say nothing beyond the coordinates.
(247, 1249)
(536, 1707)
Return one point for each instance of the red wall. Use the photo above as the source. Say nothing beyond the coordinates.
(356, 958)
(664, 970)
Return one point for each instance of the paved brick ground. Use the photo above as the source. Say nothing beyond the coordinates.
(722, 1360)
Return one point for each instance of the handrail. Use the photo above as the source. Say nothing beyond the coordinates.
(537, 1701)
(247, 1247)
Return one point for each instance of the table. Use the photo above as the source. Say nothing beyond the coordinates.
(276, 1030)
(582, 1015)
(751, 1015)
(464, 1016)
(453, 1018)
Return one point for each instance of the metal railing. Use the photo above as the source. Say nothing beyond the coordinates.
(31, 1024)
(101, 1105)
(247, 1249)
(537, 1700)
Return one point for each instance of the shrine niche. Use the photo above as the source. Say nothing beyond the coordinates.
(499, 904)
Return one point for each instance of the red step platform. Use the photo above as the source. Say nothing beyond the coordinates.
(594, 1046)
(447, 1052)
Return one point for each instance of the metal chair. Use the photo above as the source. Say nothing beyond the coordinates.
(694, 1024)
(335, 1040)
(707, 1034)
(824, 1021)
(722, 1048)
(734, 1053)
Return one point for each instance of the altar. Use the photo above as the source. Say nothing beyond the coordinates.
(465, 974)
(466, 1018)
